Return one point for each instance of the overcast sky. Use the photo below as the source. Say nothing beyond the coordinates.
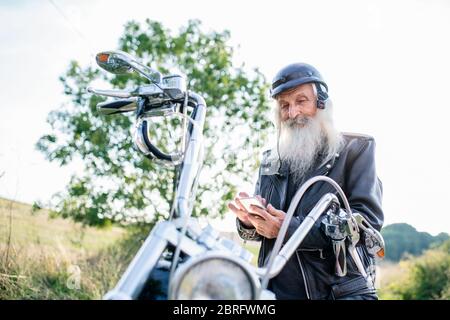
(386, 63)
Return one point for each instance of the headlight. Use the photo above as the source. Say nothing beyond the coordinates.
(214, 276)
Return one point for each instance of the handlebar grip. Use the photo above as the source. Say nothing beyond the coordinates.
(118, 106)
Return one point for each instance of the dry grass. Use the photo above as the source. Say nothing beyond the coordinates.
(37, 228)
(43, 258)
(387, 272)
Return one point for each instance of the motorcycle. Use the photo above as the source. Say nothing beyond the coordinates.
(180, 259)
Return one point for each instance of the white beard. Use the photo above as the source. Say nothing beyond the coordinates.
(303, 138)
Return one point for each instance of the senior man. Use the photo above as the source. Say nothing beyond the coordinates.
(309, 145)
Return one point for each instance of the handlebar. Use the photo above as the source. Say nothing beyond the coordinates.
(146, 106)
(165, 95)
(118, 106)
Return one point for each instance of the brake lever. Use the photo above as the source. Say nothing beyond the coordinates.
(110, 93)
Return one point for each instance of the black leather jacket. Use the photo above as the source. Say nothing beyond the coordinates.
(354, 170)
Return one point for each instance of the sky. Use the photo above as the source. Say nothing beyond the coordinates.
(386, 64)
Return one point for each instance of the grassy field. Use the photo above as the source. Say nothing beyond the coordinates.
(44, 258)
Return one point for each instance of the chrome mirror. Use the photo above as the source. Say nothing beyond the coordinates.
(119, 62)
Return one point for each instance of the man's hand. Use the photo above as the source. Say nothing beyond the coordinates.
(270, 224)
(240, 211)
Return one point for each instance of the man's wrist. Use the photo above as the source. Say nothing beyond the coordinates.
(246, 233)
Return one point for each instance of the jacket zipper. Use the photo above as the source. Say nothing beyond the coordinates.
(304, 277)
(270, 192)
(274, 185)
(263, 256)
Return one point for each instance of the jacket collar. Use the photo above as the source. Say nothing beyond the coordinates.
(274, 166)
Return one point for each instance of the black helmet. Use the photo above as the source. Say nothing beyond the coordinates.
(296, 74)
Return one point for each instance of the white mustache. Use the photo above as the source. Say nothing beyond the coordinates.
(297, 121)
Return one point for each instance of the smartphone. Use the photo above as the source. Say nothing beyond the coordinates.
(248, 201)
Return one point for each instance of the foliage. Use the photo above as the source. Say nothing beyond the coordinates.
(424, 278)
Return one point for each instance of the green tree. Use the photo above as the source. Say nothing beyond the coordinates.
(401, 239)
(118, 183)
(423, 278)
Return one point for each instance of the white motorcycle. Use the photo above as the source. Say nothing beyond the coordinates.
(181, 260)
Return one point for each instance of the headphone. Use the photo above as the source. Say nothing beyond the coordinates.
(322, 96)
